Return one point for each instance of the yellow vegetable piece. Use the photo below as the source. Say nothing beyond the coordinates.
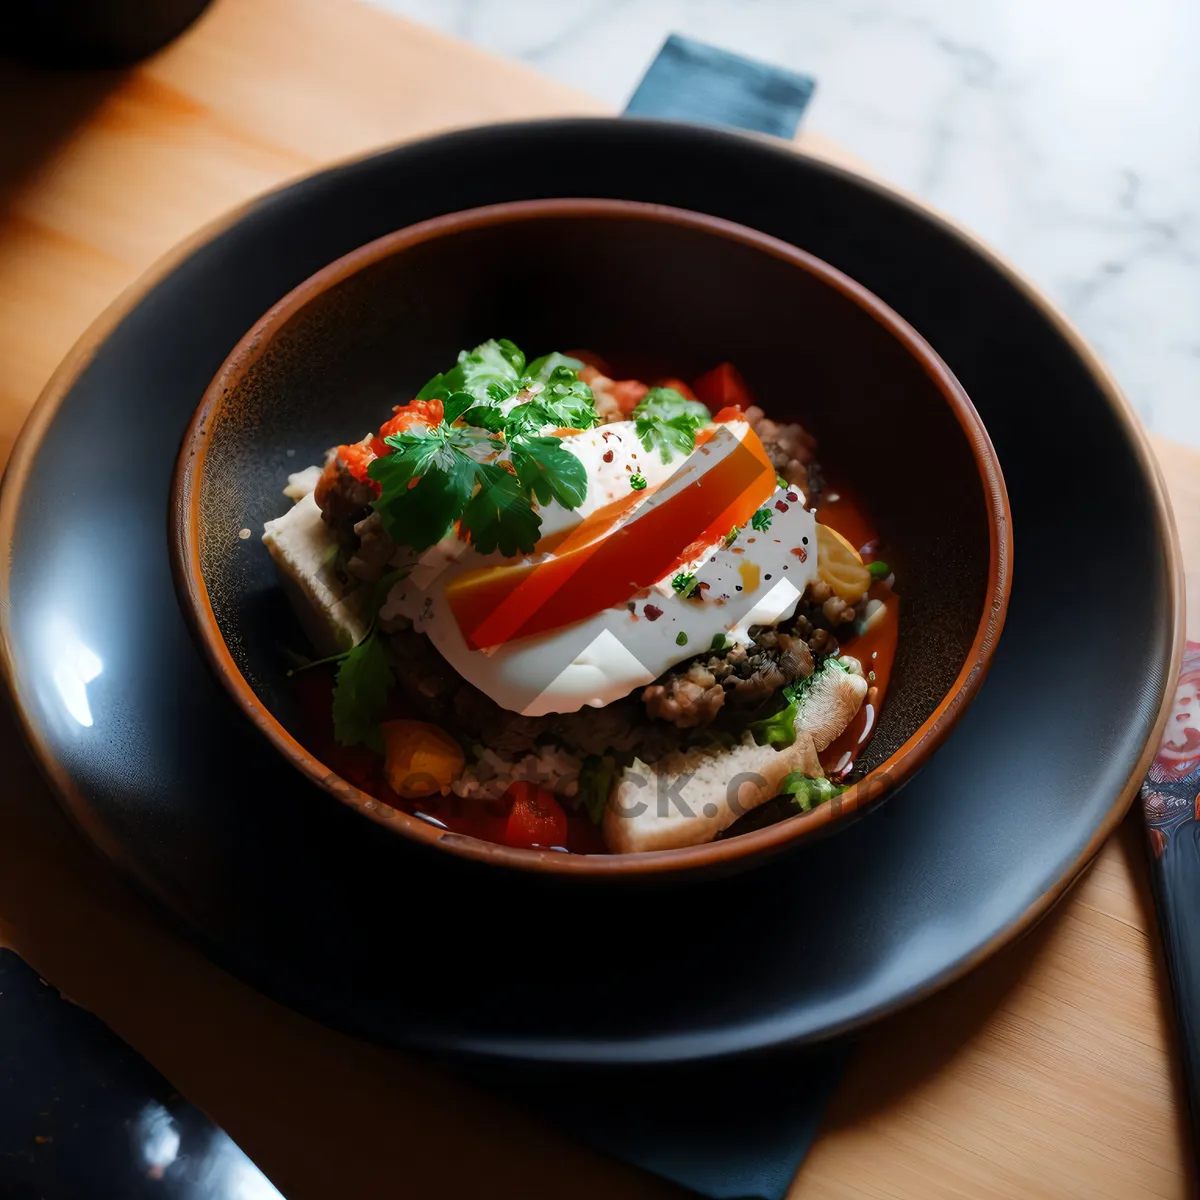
(839, 565)
(420, 758)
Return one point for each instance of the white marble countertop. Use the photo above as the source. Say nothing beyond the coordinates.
(1065, 132)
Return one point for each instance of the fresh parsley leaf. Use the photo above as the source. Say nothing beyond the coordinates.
(542, 368)
(455, 404)
(565, 402)
(807, 792)
(663, 403)
(549, 472)
(494, 362)
(719, 642)
(762, 520)
(360, 693)
(637, 482)
(424, 483)
(433, 478)
(484, 416)
(500, 515)
(667, 421)
(684, 584)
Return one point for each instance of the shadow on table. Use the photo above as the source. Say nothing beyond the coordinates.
(41, 110)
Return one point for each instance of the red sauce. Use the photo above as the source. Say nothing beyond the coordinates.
(364, 768)
(875, 649)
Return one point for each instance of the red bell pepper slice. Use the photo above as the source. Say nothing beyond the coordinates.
(611, 556)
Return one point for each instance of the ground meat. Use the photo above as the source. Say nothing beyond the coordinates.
(427, 680)
(823, 642)
(506, 732)
(790, 447)
(686, 702)
(618, 727)
(344, 502)
(374, 551)
(743, 677)
(836, 611)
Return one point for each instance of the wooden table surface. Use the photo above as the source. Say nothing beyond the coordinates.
(1046, 1073)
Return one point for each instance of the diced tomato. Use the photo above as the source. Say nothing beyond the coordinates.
(731, 412)
(418, 412)
(535, 819)
(723, 387)
(628, 394)
(678, 384)
(357, 459)
(611, 554)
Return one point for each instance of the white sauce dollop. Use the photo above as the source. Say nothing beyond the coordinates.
(755, 580)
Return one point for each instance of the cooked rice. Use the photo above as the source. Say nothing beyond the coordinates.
(487, 775)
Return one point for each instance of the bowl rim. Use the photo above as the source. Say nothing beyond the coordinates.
(893, 772)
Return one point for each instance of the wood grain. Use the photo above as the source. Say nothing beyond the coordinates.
(1046, 1073)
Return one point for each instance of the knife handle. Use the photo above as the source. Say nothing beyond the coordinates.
(1171, 805)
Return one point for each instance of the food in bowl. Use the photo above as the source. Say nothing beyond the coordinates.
(569, 611)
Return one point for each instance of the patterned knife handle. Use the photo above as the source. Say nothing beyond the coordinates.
(1171, 803)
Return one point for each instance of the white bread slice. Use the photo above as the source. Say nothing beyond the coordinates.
(330, 608)
(688, 797)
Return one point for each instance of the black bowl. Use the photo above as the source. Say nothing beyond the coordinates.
(682, 290)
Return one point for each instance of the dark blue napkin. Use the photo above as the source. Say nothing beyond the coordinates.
(690, 81)
(730, 1130)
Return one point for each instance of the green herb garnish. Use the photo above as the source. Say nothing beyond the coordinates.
(454, 471)
(637, 482)
(781, 482)
(732, 535)
(667, 421)
(495, 362)
(879, 570)
(685, 585)
(762, 520)
(364, 681)
(500, 516)
(807, 792)
(364, 678)
(719, 642)
(681, 638)
(548, 471)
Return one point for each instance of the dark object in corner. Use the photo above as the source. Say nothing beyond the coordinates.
(92, 33)
(82, 1114)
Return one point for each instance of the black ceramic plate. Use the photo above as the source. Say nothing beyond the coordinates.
(334, 916)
